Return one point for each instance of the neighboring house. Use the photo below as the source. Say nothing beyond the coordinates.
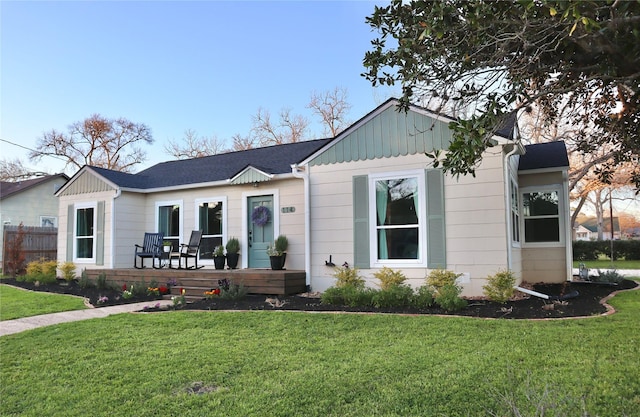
(30, 202)
(582, 233)
(369, 197)
(590, 229)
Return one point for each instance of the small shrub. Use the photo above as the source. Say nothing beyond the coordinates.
(50, 269)
(281, 243)
(397, 295)
(610, 276)
(333, 295)
(41, 271)
(34, 269)
(348, 296)
(439, 278)
(389, 278)
(101, 281)
(231, 291)
(139, 289)
(499, 287)
(348, 277)
(84, 281)
(422, 297)
(448, 297)
(358, 296)
(68, 270)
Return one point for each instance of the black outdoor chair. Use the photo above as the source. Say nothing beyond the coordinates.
(151, 248)
(190, 250)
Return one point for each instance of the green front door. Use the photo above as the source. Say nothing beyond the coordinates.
(260, 235)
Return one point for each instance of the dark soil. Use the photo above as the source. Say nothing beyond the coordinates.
(92, 294)
(587, 302)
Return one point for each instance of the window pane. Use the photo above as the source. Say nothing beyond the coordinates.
(84, 248)
(210, 218)
(542, 230)
(84, 224)
(207, 245)
(540, 204)
(398, 243)
(169, 220)
(397, 201)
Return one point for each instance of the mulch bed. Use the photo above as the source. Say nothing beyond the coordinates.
(586, 303)
(72, 288)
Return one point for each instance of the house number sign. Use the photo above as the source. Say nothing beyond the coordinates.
(288, 210)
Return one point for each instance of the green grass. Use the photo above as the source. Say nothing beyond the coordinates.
(297, 364)
(16, 303)
(608, 264)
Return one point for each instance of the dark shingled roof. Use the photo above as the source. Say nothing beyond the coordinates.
(271, 160)
(9, 188)
(544, 155)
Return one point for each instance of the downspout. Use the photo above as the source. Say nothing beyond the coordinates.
(568, 239)
(507, 203)
(113, 227)
(303, 173)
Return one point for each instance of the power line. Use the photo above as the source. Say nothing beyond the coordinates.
(32, 150)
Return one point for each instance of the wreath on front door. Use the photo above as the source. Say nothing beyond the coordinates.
(261, 215)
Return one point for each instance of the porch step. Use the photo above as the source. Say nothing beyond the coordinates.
(196, 282)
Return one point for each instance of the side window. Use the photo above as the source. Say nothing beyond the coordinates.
(210, 218)
(397, 218)
(84, 232)
(515, 214)
(541, 216)
(169, 221)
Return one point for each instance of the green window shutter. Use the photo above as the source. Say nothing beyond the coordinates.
(100, 234)
(70, 225)
(436, 248)
(361, 221)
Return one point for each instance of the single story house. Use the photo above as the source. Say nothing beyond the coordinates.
(31, 202)
(588, 229)
(369, 197)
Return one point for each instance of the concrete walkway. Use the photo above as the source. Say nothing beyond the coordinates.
(28, 323)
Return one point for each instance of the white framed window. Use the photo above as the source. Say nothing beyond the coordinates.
(48, 221)
(169, 221)
(211, 218)
(542, 219)
(397, 219)
(515, 213)
(84, 232)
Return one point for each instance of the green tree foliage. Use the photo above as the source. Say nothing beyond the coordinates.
(489, 58)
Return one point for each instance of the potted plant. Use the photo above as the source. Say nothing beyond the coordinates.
(233, 247)
(278, 252)
(166, 246)
(218, 257)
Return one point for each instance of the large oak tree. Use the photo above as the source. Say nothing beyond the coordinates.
(490, 58)
(97, 141)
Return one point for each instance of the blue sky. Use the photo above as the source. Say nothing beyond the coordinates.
(203, 65)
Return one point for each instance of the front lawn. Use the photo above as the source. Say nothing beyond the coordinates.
(16, 303)
(608, 264)
(299, 364)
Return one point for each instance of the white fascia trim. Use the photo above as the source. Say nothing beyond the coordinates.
(543, 170)
(195, 185)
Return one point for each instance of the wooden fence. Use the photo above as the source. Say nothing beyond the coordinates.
(37, 243)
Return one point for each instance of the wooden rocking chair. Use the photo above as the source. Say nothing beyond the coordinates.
(150, 248)
(190, 250)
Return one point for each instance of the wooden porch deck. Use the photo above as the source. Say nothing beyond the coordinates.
(196, 282)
